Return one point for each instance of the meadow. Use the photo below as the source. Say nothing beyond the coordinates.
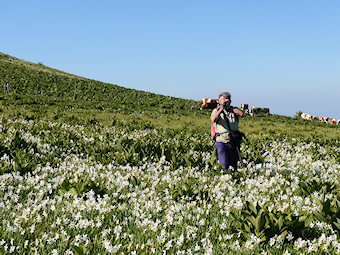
(95, 176)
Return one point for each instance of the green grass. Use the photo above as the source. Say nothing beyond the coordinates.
(31, 83)
(104, 150)
(199, 121)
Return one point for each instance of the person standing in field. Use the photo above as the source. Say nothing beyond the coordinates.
(225, 119)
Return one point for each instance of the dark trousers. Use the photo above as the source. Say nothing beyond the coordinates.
(227, 155)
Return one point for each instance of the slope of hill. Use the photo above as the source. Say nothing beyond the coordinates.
(31, 83)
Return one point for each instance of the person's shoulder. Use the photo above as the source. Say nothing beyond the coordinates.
(214, 110)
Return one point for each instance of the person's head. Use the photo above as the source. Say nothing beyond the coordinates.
(224, 96)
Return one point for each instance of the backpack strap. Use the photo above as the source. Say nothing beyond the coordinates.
(223, 133)
(227, 120)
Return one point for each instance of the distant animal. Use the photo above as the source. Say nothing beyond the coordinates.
(316, 118)
(332, 121)
(253, 110)
(208, 103)
(264, 110)
(258, 110)
(338, 122)
(323, 119)
(306, 116)
(244, 107)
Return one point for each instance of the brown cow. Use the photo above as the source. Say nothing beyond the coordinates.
(332, 121)
(208, 103)
(338, 121)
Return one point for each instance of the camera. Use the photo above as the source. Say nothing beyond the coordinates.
(226, 103)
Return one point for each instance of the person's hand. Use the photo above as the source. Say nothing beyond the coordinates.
(230, 108)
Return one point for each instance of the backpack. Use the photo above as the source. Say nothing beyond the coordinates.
(213, 132)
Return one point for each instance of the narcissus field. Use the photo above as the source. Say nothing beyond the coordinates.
(124, 189)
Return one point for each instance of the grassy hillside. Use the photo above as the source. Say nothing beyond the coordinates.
(31, 83)
(37, 91)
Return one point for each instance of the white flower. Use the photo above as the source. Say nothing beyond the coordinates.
(290, 236)
(180, 240)
(54, 252)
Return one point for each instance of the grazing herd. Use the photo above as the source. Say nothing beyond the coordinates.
(209, 103)
(329, 120)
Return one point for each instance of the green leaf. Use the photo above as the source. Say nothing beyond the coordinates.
(264, 239)
(78, 250)
(337, 224)
(326, 206)
(260, 221)
(280, 222)
(319, 216)
(65, 185)
(252, 220)
(252, 207)
(272, 218)
(135, 181)
(338, 204)
(73, 191)
(319, 202)
(308, 221)
(61, 192)
(185, 187)
(284, 234)
(246, 228)
(303, 218)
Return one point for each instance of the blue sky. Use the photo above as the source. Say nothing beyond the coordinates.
(284, 55)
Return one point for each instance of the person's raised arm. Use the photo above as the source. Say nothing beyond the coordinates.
(237, 111)
(215, 117)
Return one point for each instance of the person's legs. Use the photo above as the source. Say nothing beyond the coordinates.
(227, 155)
(233, 156)
(223, 157)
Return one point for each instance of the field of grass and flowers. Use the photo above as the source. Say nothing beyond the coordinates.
(127, 188)
(93, 168)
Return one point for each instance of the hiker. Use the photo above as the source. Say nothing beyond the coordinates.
(225, 120)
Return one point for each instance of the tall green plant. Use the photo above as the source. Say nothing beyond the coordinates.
(265, 224)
